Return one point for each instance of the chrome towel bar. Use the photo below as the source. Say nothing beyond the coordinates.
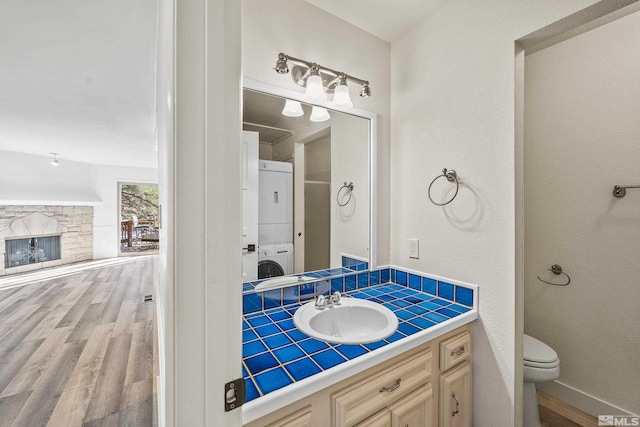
(621, 190)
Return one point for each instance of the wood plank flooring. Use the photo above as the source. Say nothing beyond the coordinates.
(556, 413)
(80, 350)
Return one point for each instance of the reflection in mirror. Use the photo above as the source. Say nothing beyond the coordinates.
(296, 175)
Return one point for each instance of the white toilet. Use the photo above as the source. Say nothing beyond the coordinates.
(541, 364)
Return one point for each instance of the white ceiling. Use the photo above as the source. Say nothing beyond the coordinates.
(78, 78)
(386, 19)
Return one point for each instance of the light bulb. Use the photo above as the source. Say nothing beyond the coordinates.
(292, 109)
(341, 97)
(315, 90)
(319, 114)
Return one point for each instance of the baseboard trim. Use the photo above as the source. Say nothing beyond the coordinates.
(580, 400)
(555, 412)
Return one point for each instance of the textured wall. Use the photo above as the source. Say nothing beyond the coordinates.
(302, 30)
(582, 136)
(453, 98)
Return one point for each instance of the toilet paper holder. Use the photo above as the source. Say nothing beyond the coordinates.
(557, 270)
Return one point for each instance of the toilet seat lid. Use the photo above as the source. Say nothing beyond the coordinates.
(541, 365)
(537, 353)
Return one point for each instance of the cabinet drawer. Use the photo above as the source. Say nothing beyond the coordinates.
(455, 350)
(369, 395)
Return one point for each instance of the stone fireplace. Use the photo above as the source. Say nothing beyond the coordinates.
(34, 237)
(31, 250)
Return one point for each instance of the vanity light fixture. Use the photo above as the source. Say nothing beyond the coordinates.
(55, 161)
(341, 96)
(292, 108)
(320, 80)
(365, 92)
(315, 90)
(319, 114)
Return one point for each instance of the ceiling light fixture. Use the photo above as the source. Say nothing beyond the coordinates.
(55, 161)
(319, 114)
(314, 76)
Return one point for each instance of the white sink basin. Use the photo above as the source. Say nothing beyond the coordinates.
(351, 321)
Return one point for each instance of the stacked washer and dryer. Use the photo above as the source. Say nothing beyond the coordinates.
(275, 219)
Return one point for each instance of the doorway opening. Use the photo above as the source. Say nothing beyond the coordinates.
(139, 210)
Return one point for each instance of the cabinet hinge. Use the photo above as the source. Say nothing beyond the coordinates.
(234, 394)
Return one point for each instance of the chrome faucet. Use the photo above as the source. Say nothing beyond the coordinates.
(327, 301)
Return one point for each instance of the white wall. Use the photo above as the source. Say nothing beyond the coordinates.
(25, 178)
(349, 162)
(350, 223)
(453, 99)
(302, 30)
(29, 179)
(582, 136)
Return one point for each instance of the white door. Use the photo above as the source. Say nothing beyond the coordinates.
(250, 188)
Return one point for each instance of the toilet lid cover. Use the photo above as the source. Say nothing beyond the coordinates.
(537, 351)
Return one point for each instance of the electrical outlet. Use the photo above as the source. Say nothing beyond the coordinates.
(414, 248)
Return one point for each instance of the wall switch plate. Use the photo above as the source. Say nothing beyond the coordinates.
(414, 248)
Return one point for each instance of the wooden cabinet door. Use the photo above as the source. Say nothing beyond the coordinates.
(300, 418)
(455, 397)
(380, 419)
(415, 409)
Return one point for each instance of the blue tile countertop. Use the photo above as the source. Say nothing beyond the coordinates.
(281, 364)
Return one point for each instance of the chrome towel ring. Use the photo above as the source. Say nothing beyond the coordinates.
(451, 176)
(349, 188)
(557, 270)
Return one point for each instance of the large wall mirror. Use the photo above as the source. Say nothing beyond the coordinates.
(308, 188)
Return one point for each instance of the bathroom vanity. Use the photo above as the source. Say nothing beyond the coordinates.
(420, 375)
(427, 386)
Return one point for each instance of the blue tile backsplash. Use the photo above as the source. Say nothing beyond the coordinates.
(354, 264)
(276, 354)
(350, 281)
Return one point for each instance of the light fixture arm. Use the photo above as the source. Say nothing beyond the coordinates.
(282, 68)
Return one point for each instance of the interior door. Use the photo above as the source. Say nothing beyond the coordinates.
(250, 187)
